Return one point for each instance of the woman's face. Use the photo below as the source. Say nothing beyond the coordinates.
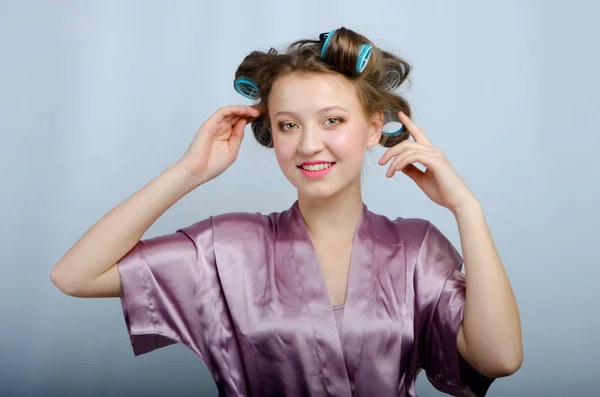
(320, 132)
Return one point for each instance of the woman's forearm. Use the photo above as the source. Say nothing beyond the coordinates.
(117, 232)
(491, 325)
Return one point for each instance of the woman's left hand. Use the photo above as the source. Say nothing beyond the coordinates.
(439, 181)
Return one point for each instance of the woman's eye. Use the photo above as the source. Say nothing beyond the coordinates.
(283, 125)
(290, 126)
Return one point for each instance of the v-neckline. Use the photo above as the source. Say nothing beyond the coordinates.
(348, 342)
(314, 257)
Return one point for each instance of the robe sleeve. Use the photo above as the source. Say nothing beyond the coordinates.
(441, 297)
(169, 292)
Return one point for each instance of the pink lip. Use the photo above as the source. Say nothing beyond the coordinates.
(316, 174)
(315, 162)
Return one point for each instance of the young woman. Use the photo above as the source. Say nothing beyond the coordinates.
(326, 298)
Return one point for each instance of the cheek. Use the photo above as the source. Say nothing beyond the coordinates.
(284, 150)
(348, 143)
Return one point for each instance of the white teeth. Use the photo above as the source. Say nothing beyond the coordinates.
(317, 167)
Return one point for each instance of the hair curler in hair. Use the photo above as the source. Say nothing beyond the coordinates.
(364, 51)
(364, 54)
(392, 79)
(246, 87)
(391, 123)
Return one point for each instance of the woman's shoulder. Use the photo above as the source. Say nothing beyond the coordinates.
(415, 234)
(399, 228)
(235, 223)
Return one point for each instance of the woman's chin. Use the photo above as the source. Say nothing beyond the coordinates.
(318, 191)
(315, 192)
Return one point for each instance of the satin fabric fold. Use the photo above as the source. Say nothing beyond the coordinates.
(245, 292)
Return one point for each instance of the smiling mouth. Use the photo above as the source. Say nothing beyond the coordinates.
(315, 167)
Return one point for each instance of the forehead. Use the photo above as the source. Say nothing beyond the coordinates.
(305, 91)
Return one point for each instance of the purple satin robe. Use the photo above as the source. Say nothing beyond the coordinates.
(245, 292)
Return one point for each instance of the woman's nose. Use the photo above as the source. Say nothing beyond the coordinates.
(310, 141)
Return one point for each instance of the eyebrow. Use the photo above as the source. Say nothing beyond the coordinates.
(326, 109)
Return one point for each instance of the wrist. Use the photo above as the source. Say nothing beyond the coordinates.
(187, 178)
(466, 207)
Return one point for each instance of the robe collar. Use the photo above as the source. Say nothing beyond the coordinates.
(339, 358)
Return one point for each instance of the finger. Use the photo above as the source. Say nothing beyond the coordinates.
(240, 111)
(400, 148)
(397, 164)
(231, 119)
(394, 151)
(412, 128)
(412, 172)
(401, 162)
(235, 140)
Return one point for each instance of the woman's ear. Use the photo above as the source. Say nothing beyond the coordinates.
(375, 129)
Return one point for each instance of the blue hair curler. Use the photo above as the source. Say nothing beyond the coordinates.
(364, 54)
(395, 130)
(326, 37)
(246, 87)
(391, 124)
(364, 51)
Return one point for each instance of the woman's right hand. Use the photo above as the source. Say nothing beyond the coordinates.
(217, 142)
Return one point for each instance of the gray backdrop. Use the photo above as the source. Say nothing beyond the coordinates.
(98, 97)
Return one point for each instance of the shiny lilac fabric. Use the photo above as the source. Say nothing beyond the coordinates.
(246, 294)
(338, 314)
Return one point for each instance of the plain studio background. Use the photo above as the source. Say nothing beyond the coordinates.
(97, 98)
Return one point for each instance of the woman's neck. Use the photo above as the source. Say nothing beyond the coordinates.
(333, 218)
